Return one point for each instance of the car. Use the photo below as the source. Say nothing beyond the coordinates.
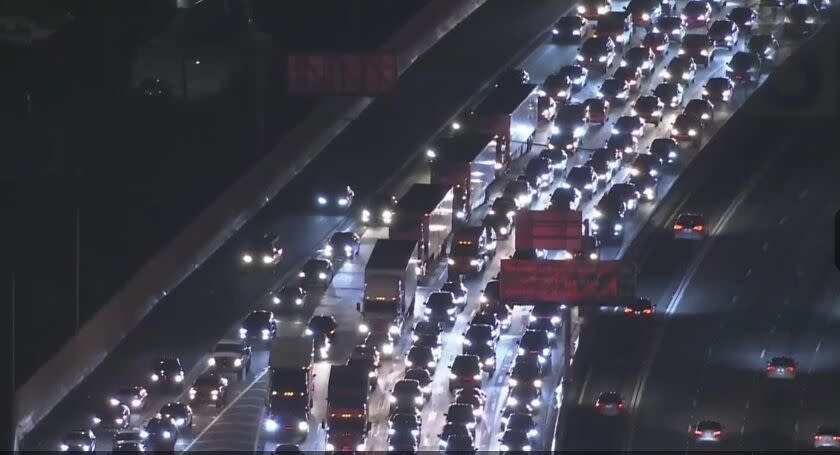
(723, 33)
(487, 317)
(718, 90)
(646, 183)
(565, 199)
(524, 422)
(648, 108)
(681, 69)
(616, 24)
(547, 104)
(427, 333)
(514, 441)
(288, 448)
(473, 397)
(525, 369)
(452, 430)
(422, 376)
(230, 356)
(827, 437)
(627, 193)
(558, 87)
(673, 26)
(801, 20)
(380, 209)
(578, 74)
(462, 414)
(421, 357)
(366, 357)
(381, 340)
(210, 387)
(765, 45)
(521, 191)
(289, 297)
(583, 179)
(128, 447)
(640, 307)
(132, 396)
(465, 372)
(614, 90)
(545, 317)
(608, 219)
(440, 307)
(539, 172)
(558, 150)
(629, 124)
(639, 57)
(568, 29)
(609, 404)
(646, 163)
(620, 145)
(591, 9)
(322, 328)
(266, 251)
(597, 52)
(781, 368)
(403, 442)
(316, 272)
(481, 340)
(670, 93)
(522, 397)
(633, 76)
(78, 441)
(656, 42)
(167, 372)
(180, 414)
(344, 244)
(690, 226)
(512, 77)
(665, 148)
(644, 12)
(603, 169)
(700, 109)
(259, 325)
(160, 434)
(687, 128)
(108, 416)
(407, 392)
(460, 444)
(572, 119)
(335, 197)
(744, 17)
(490, 295)
(599, 110)
(535, 343)
(699, 47)
(504, 205)
(744, 67)
(501, 223)
(697, 13)
(708, 431)
(459, 292)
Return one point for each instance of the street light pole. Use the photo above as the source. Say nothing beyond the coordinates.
(78, 248)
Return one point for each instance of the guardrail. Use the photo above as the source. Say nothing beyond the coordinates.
(179, 258)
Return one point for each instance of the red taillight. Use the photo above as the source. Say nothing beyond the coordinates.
(771, 368)
(647, 311)
(698, 228)
(698, 433)
(816, 436)
(791, 369)
(678, 227)
(598, 404)
(628, 310)
(717, 433)
(620, 405)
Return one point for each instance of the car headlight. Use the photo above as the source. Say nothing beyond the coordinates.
(85, 447)
(603, 10)
(270, 425)
(363, 328)
(408, 363)
(683, 17)
(489, 342)
(178, 377)
(511, 401)
(701, 17)
(361, 447)
(427, 310)
(686, 76)
(727, 93)
(692, 132)
(595, 214)
(645, 17)
(387, 348)
(343, 202)
(96, 420)
(581, 9)
(430, 364)
(452, 376)
(728, 38)
(545, 352)
(526, 448)
(179, 421)
(267, 259)
(537, 383)
(322, 276)
(247, 258)
(166, 435)
(365, 216)
(467, 342)
(450, 261)
(555, 320)
(237, 362)
(303, 426)
(618, 228)
(450, 311)
(681, 52)
(144, 434)
(490, 362)
(588, 186)
(113, 401)
(477, 413)
(602, 58)
(302, 275)
(64, 447)
(555, 31)
(308, 332)
(477, 377)
(504, 230)
(329, 446)
(322, 200)
(136, 402)
(211, 362)
(192, 392)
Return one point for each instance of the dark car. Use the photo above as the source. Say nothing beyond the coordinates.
(591, 9)
(335, 197)
(461, 414)
(578, 74)
(629, 124)
(699, 47)
(522, 421)
(287, 448)
(621, 144)
(379, 210)
(460, 444)
(558, 87)
(366, 357)
(702, 110)
(560, 146)
(649, 108)
(523, 397)
(487, 317)
(718, 90)
(520, 191)
(681, 69)
(583, 179)
(403, 442)
(407, 392)
(316, 272)
(465, 372)
(481, 340)
(452, 430)
(614, 90)
(744, 17)
(382, 340)
(697, 13)
(265, 251)
(513, 77)
(603, 170)
(345, 244)
(616, 24)
(744, 67)
(501, 223)
(160, 434)
(639, 57)
(427, 333)
(132, 435)
(132, 396)
(526, 369)
(597, 52)
(209, 388)
(535, 343)
(644, 12)
(258, 325)
(421, 357)
(646, 184)
(107, 416)
(504, 205)
(633, 76)
(441, 308)
(608, 222)
(639, 307)
(572, 119)
(514, 441)
(724, 33)
(128, 447)
(539, 172)
(289, 297)
(180, 414)
(167, 372)
(599, 110)
(656, 42)
(609, 403)
(322, 329)
(801, 20)
(670, 93)
(687, 128)
(422, 376)
(563, 199)
(568, 29)
(627, 193)
(78, 441)
(545, 317)
(459, 292)
(646, 163)
(673, 26)
(764, 45)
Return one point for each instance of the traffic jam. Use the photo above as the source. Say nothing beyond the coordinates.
(457, 344)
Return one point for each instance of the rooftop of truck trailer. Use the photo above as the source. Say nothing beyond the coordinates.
(462, 147)
(505, 99)
(422, 197)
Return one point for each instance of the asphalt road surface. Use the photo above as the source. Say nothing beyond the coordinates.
(210, 303)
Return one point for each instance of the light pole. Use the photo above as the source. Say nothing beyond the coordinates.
(78, 261)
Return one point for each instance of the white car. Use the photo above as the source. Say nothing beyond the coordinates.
(609, 404)
(708, 431)
(690, 226)
(781, 368)
(826, 437)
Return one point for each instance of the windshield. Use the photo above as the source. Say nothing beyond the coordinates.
(462, 413)
(534, 339)
(167, 365)
(579, 175)
(314, 266)
(492, 289)
(406, 387)
(612, 85)
(571, 113)
(440, 300)
(695, 7)
(465, 365)
(593, 46)
(741, 61)
(342, 238)
(720, 27)
(207, 381)
(695, 41)
(525, 370)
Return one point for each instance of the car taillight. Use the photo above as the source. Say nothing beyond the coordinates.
(836, 438)
(791, 369)
(717, 433)
(628, 310)
(698, 228)
(698, 432)
(647, 311)
(620, 405)
(770, 368)
(678, 227)
(598, 405)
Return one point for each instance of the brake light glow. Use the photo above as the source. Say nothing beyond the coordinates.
(598, 404)
(647, 311)
(628, 310)
(836, 438)
(620, 405)
(698, 228)
(791, 369)
(717, 432)
(698, 432)
(678, 227)
(771, 368)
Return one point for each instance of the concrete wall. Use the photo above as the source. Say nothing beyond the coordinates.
(172, 264)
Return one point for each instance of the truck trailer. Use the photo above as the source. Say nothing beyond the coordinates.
(390, 286)
(466, 162)
(424, 215)
(290, 388)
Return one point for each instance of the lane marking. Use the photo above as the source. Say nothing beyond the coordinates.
(803, 194)
(584, 386)
(783, 220)
(749, 272)
(734, 298)
(765, 247)
(773, 329)
(747, 404)
(819, 344)
(763, 352)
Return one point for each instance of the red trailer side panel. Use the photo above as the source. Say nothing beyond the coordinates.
(549, 230)
(527, 282)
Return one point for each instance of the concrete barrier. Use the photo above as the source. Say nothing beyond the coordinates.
(171, 265)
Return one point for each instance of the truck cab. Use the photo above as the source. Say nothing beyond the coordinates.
(347, 408)
(471, 250)
(290, 388)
